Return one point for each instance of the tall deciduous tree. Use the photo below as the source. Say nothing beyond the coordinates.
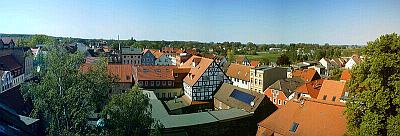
(283, 60)
(128, 114)
(231, 56)
(374, 105)
(65, 97)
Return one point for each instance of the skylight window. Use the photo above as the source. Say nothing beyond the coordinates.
(294, 126)
(242, 96)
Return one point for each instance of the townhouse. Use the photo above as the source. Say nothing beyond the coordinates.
(264, 76)
(283, 90)
(131, 56)
(239, 75)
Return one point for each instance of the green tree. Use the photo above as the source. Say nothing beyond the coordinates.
(65, 97)
(128, 114)
(335, 73)
(374, 105)
(41, 39)
(231, 56)
(283, 60)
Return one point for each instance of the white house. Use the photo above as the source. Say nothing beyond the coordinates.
(239, 75)
(355, 59)
(6, 81)
(327, 64)
(204, 78)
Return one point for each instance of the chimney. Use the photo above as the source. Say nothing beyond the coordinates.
(175, 98)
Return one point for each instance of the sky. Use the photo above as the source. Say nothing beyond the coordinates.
(257, 21)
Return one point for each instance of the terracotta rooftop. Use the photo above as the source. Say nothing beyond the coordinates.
(201, 65)
(330, 89)
(239, 71)
(312, 118)
(307, 74)
(157, 54)
(122, 71)
(311, 88)
(356, 58)
(240, 59)
(150, 72)
(254, 63)
(345, 75)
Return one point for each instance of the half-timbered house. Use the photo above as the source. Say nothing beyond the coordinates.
(204, 78)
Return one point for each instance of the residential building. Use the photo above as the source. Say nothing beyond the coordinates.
(327, 64)
(165, 60)
(307, 75)
(232, 121)
(321, 70)
(204, 78)
(150, 76)
(264, 76)
(354, 60)
(131, 55)
(10, 63)
(255, 63)
(122, 73)
(309, 89)
(338, 62)
(171, 52)
(346, 76)
(283, 90)
(180, 74)
(28, 63)
(7, 42)
(148, 57)
(332, 90)
(229, 96)
(6, 81)
(239, 75)
(241, 59)
(307, 117)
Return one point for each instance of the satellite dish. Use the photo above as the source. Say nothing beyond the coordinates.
(252, 103)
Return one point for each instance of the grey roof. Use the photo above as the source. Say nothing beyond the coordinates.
(128, 50)
(287, 86)
(264, 68)
(172, 121)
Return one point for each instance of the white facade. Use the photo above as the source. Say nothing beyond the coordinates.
(240, 83)
(207, 84)
(6, 81)
(350, 64)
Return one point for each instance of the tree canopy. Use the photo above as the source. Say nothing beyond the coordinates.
(374, 105)
(283, 60)
(65, 97)
(128, 114)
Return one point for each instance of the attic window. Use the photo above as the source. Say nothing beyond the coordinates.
(333, 98)
(294, 126)
(324, 98)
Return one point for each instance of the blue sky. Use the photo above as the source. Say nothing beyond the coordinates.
(258, 21)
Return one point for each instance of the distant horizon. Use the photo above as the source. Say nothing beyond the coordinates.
(186, 40)
(340, 22)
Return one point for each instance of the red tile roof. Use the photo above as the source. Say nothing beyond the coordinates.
(153, 72)
(311, 88)
(195, 72)
(307, 74)
(238, 71)
(157, 54)
(122, 71)
(331, 88)
(254, 63)
(345, 75)
(314, 118)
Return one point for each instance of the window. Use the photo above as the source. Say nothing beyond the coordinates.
(259, 82)
(169, 95)
(279, 102)
(255, 81)
(284, 102)
(169, 83)
(151, 83)
(274, 101)
(333, 98)
(294, 126)
(157, 83)
(163, 83)
(324, 98)
(251, 80)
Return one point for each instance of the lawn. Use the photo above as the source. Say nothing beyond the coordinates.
(272, 56)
